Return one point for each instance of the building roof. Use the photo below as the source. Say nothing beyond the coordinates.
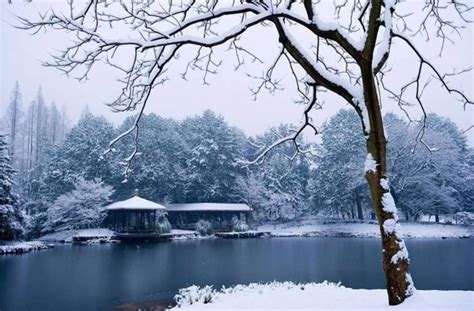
(208, 207)
(135, 203)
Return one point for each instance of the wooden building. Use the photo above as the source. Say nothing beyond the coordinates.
(135, 215)
(185, 215)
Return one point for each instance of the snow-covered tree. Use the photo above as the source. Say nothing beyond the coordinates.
(11, 124)
(283, 176)
(345, 56)
(427, 179)
(215, 150)
(159, 170)
(83, 207)
(337, 186)
(11, 217)
(77, 156)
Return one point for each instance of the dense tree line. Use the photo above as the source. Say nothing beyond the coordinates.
(64, 182)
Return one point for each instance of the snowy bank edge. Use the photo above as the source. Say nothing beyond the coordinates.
(20, 247)
(311, 296)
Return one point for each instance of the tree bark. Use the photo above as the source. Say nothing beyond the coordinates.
(360, 214)
(395, 255)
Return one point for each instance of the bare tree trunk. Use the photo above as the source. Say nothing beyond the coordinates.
(360, 214)
(395, 255)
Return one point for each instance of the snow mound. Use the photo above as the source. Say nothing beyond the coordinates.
(19, 247)
(314, 296)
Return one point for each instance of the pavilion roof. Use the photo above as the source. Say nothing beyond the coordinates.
(210, 207)
(135, 203)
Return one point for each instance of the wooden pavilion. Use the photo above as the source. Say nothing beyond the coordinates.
(135, 215)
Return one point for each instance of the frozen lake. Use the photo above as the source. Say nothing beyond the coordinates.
(101, 277)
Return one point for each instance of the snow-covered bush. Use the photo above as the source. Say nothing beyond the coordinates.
(83, 207)
(203, 295)
(163, 225)
(194, 294)
(239, 226)
(204, 227)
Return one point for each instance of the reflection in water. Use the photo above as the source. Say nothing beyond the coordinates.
(99, 277)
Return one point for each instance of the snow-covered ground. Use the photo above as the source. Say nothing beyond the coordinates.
(66, 236)
(305, 227)
(317, 227)
(19, 247)
(315, 296)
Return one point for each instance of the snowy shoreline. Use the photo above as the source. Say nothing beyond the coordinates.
(318, 228)
(314, 296)
(20, 247)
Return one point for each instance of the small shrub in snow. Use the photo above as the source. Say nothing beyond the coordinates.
(163, 225)
(194, 294)
(197, 295)
(204, 227)
(240, 226)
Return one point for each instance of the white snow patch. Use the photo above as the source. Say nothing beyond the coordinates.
(384, 46)
(390, 226)
(401, 254)
(359, 102)
(358, 44)
(389, 205)
(370, 164)
(314, 296)
(411, 287)
(384, 184)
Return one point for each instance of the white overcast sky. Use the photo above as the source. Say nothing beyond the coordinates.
(228, 93)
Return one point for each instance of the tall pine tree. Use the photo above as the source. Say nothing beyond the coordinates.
(10, 214)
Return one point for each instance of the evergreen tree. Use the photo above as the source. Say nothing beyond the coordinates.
(212, 167)
(337, 185)
(78, 156)
(158, 172)
(10, 215)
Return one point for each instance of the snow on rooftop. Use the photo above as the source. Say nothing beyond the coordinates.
(211, 207)
(135, 203)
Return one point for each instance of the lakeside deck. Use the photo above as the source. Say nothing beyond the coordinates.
(156, 237)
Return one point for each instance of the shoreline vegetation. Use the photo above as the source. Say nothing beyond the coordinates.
(303, 228)
(313, 296)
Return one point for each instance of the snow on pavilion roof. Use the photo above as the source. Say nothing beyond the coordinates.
(135, 203)
(208, 207)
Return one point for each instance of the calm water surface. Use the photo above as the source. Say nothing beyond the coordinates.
(101, 277)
